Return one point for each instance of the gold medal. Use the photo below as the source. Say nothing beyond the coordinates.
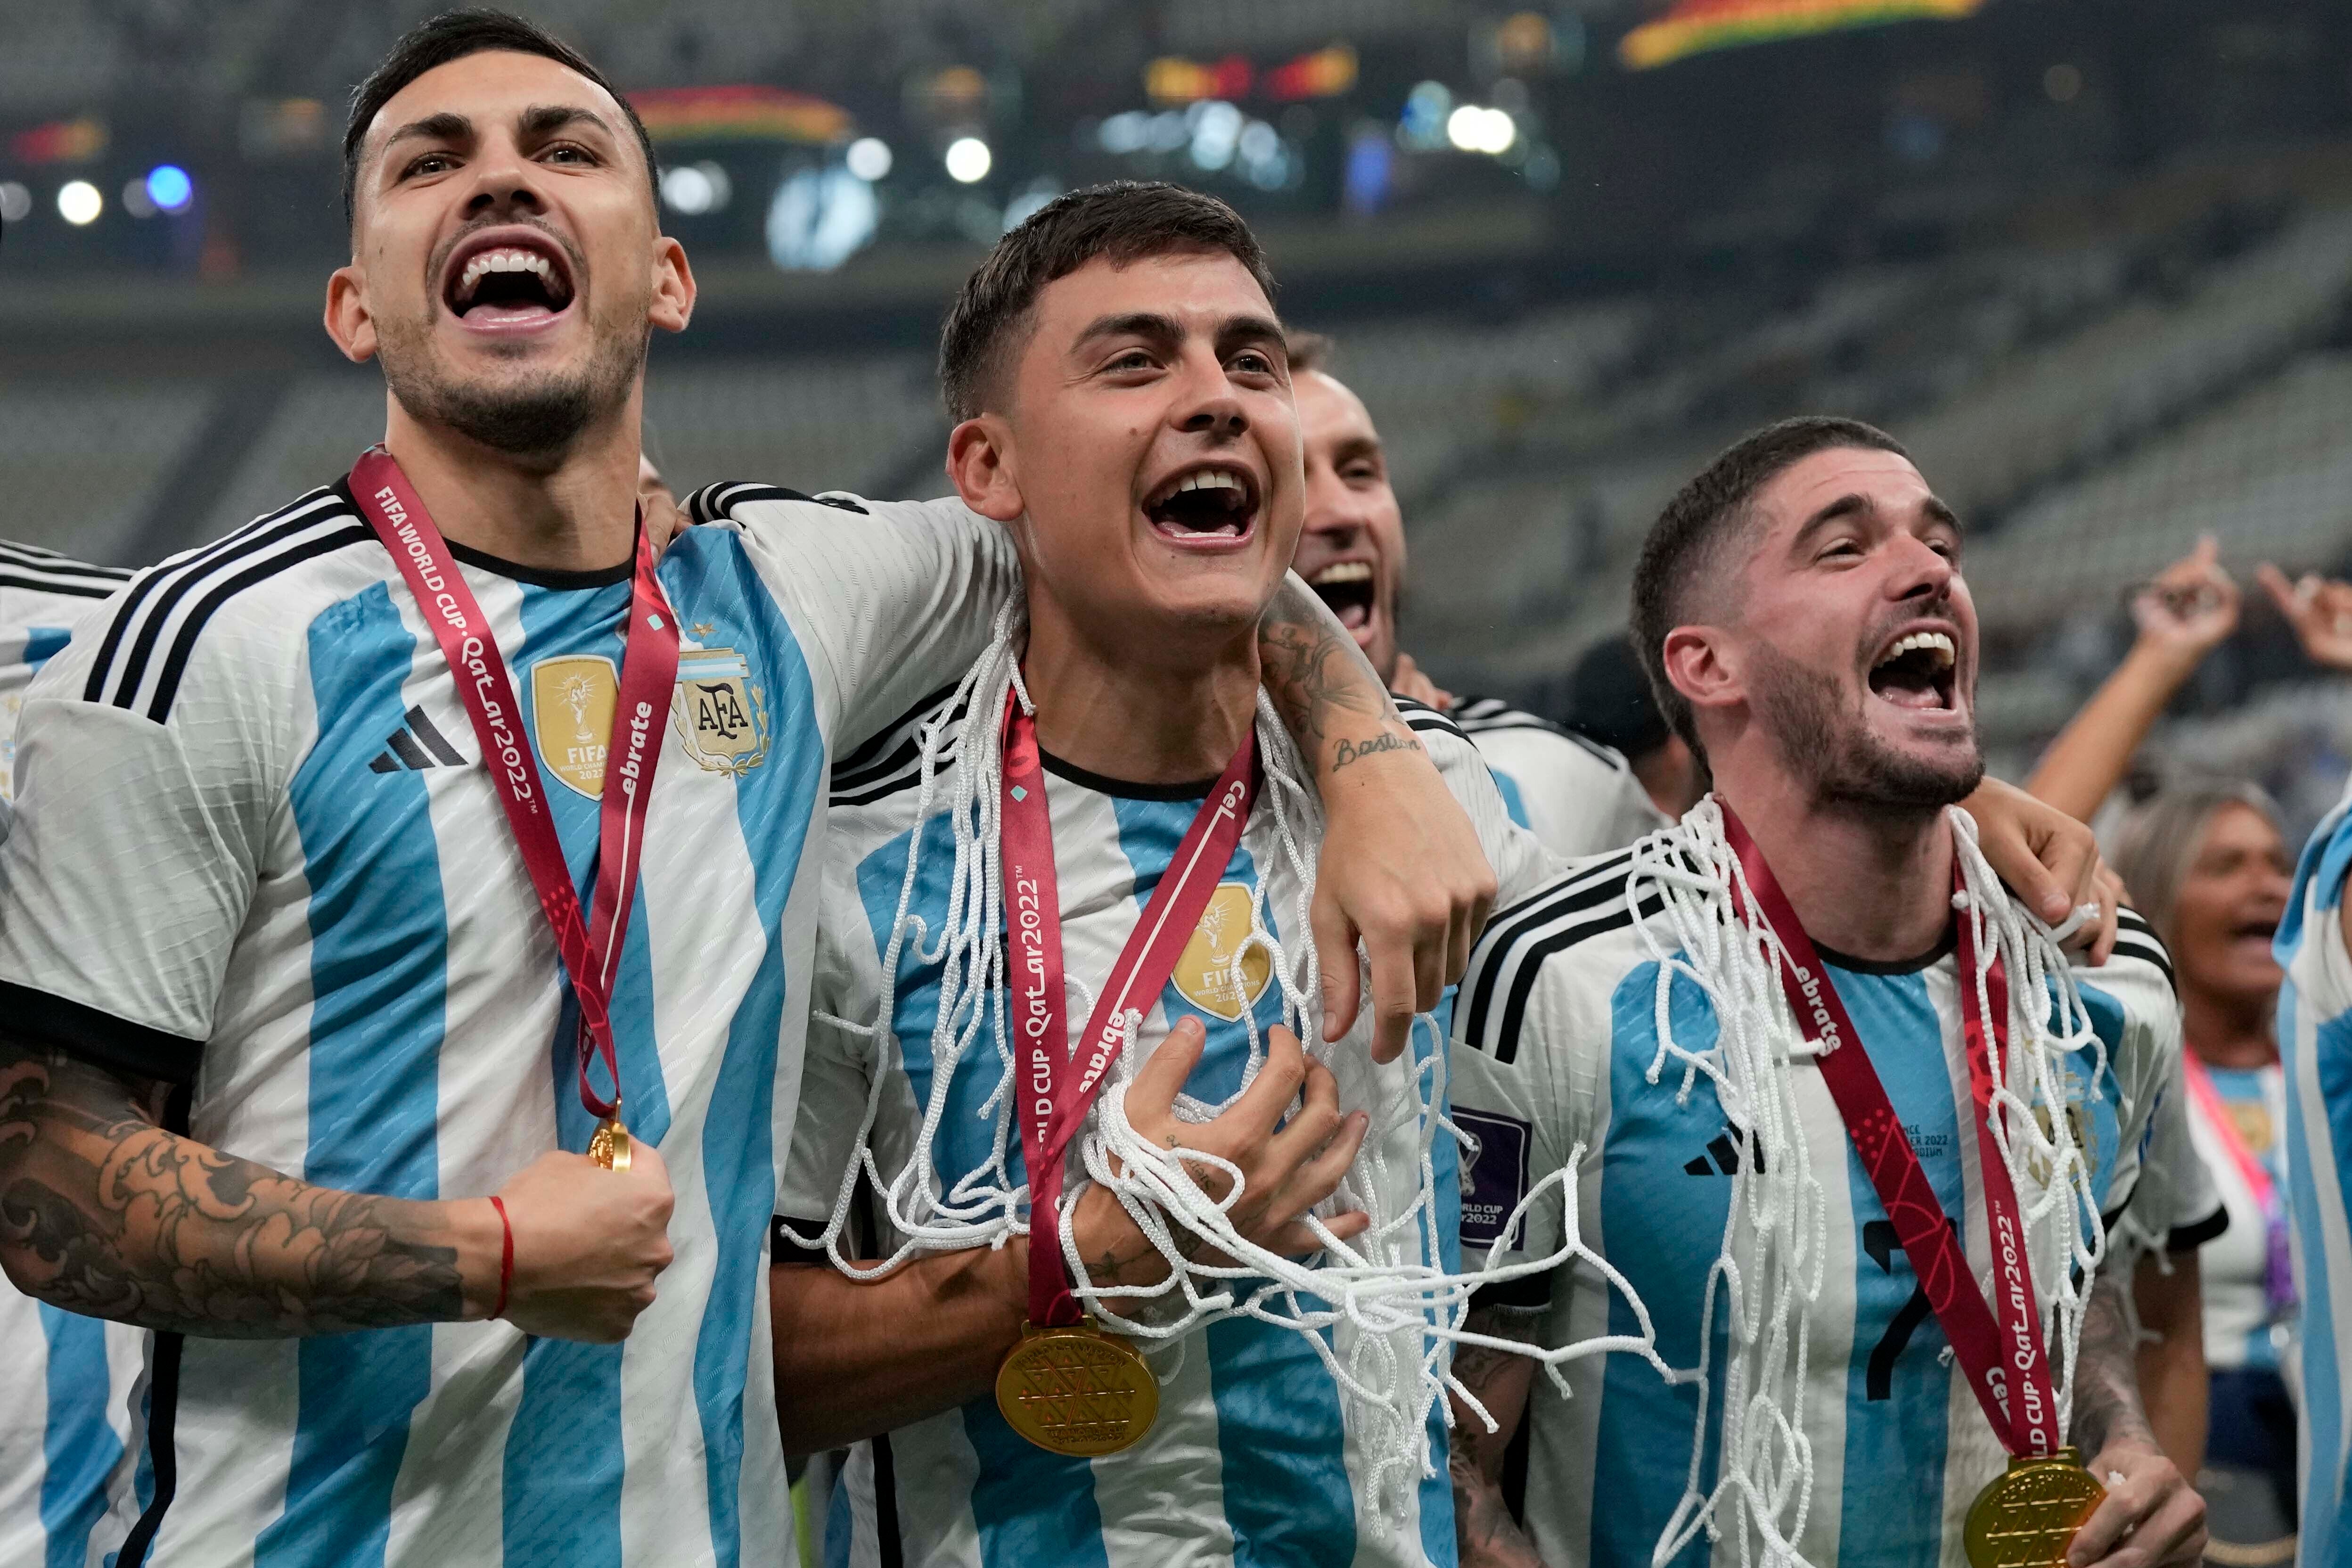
(609, 1144)
(1077, 1391)
(2027, 1516)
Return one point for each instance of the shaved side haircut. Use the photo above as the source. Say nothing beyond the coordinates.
(1686, 549)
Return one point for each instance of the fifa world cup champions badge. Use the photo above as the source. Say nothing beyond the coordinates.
(1068, 1386)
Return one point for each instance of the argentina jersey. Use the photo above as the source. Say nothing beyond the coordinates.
(257, 856)
(1576, 796)
(2315, 1036)
(1556, 1033)
(65, 1381)
(1251, 1460)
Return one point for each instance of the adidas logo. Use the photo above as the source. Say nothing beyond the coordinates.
(1726, 1161)
(416, 746)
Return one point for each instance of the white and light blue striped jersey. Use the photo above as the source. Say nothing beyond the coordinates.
(1554, 1035)
(256, 855)
(65, 1381)
(1576, 796)
(2243, 1327)
(2314, 1033)
(1250, 1462)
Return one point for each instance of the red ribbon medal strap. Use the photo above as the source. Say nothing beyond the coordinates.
(1058, 1085)
(1996, 1358)
(589, 947)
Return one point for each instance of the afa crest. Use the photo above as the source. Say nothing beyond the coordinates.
(1204, 971)
(721, 716)
(572, 701)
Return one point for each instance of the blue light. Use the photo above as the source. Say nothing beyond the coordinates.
(169, 187)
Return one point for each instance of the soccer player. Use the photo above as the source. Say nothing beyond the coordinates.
(66, 1380)
(1124, 408)
(1800, 608)
(309, 1029)
(2315, 1036)
(1576, 795)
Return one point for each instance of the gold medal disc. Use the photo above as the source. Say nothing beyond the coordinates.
(609, 1144)
(2027, 1516)
(1077, 1391)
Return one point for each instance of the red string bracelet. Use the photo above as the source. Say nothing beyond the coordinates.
(506, 1258)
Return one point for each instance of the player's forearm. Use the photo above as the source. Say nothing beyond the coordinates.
(854, 1360)
(1330, 698)
(105, 1214)
(2087, 760)
(1485, 1532)
(2173, 1383)
(2108, 1407)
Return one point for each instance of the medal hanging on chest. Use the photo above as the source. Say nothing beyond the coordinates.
(1067, 1386)
(2027, 1516)
(589, 945)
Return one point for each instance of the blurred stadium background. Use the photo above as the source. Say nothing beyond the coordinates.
(2089, 258)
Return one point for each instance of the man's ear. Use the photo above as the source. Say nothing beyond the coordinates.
(673, 291)
(979, 462)
(348, 320)
(1702, 664)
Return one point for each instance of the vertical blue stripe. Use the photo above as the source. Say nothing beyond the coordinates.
(1437, 1538)
(78, 1449)
(379, 961)
(564, 1457)
(1288, 1499)
(1663, 1228)
(2316, 1197)
(774, 804)
(1034, 1509)
(1508, 788)
(43, 643)
(1891, 1509)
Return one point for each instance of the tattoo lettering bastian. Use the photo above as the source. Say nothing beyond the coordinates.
(1352, 751)
(104, 1212)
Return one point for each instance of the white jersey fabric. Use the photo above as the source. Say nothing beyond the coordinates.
(1576, 795)
(1555, 1034)
(257, 856)
(2242, 1328)
(65, 1381)
(2314, 1030)
(1250, 1461)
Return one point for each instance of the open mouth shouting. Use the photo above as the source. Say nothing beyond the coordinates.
(1347, 587)
(1917, 671)
(511, 278)
(1209, 504)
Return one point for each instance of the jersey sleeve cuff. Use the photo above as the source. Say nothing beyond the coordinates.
(2189, 1237)
(782, 1249)
(98, 1036)
(1528, 1293)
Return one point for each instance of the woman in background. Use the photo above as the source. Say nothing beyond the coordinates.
(2211, 870)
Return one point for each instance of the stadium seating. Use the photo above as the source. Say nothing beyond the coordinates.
(81, 464)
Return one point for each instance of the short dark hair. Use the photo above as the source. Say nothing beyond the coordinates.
(453, 35)
(1125, 221)
(1685, 542)
(1310, 351)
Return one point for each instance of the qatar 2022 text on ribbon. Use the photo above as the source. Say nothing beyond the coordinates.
(590, 947)
(1067, 1386)
(2028, 1514)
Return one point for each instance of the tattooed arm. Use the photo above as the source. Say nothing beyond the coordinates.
(104, 1212)
(1484, 1531)
(2150, 1516)
(1401, 865)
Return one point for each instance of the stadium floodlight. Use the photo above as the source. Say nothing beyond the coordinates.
(693, 189)
(868, 158)
(15, 201)
(968, 160)
(170, 189)
(78, 202)
(1473, 128)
